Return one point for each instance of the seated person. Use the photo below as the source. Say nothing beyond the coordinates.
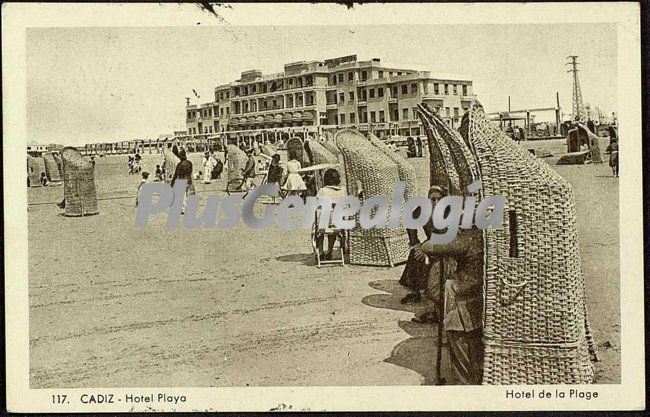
(331, 189)
(159, 173)
(44, 181)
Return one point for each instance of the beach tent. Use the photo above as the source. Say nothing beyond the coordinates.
(295, 150)
(78, 184)
(536, 328)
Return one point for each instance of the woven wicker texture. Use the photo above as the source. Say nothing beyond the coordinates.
(463, 159)
(169, 164)
(442, 168)
(34, 168)
(52, 168)
(295, 150)
(236, 162)
(535, 313)
(377, 174)
(78, 184)
(405, 170)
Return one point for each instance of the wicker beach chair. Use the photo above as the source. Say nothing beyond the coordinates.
(52, 168)
(405, 170)
(296, 150)
(376, 173)
(35, 166)
(236, 162)
(536, 325)
(78, 184)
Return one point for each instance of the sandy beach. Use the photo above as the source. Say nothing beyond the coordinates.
(112, 306)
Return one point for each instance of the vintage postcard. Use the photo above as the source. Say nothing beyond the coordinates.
(323, 207)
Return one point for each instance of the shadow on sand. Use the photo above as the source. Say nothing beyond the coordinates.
(306, 259)
(418, 352)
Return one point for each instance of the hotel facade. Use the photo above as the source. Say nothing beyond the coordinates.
(317, 96)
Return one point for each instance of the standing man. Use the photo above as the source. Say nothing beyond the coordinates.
(207, 167)
(418, 143)
(591, 126)
(184, 172)
(249, 170)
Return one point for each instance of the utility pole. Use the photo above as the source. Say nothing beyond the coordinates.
(578, 107)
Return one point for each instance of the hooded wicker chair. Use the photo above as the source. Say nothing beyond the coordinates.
(376, 173)
(296, 150)
(575, 137)
(236, 162)
(59, 163)
(78, 184)
(536, 329)
(35, 166)
(405, 170)
(52, 168)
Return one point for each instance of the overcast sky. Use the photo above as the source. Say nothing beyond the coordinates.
(118, 83)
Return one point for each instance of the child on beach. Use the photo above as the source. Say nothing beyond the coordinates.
(145, 176)
(159, 173)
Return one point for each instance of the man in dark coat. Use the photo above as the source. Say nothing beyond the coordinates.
(591, 126)
(184, 172)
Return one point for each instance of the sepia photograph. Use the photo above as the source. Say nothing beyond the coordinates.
(238, 203)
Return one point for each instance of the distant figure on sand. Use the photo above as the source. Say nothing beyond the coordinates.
(143, 180)
(248, 172)
(207, 167)
(184, 172)
(159, 174)
(613, 156)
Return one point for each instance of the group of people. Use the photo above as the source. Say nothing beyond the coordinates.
(414, 147)
(212, 167)
(134, 163)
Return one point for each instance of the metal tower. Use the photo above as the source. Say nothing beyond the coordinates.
(578, 107)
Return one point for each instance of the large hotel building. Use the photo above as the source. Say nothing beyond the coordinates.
(312, 96)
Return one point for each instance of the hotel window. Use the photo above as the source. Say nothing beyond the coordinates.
(364, 75)
(381, 74)
(455, 111)
(334, 80)
(372, 93)
(336, 119)
(351, 95)
(405, 89)
(447, 111)
(464, 90)
(414, 88)
(341, 97)
(455, 89)
(415, 112)
(290, 82)
(352, 115)
(394, 92)
(380, 92)
(350, 76)
(436, 88)
(446, 89)
(381, 116)
(399, 73)
(342, 118)
(340, 78)
(372, 117)
(405, 114)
